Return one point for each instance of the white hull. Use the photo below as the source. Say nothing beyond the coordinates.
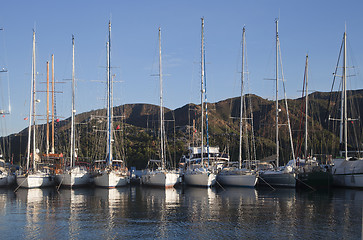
(197, 177)
(110, 179)
(35, 180)
(348, 173)
(348, 180)
(165, 179)
(48, 181)
(237, 180)
(73, 178)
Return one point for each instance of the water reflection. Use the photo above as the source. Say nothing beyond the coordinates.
(310, 214)
(73, 203)
(156, 197)
(203, 213)
(34, 195)
(204, 196)
(111, 198)
(237, 206)
(160, 207)
(6, 195)
(237, 195)
(200, 203)
(343, 208)
(38, 209)
(110, 209)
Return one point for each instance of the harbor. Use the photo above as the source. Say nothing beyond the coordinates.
(183, 120)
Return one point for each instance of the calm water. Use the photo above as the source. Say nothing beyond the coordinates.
(189, 213)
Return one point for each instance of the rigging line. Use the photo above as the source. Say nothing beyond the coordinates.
(206, 108)
(302, 110)
(334, 77)
(287, 108)
(232, 101)
(352, 58)
(253, 131)
(248, 154)
(173, 165)
(5, 70)
(250, 105)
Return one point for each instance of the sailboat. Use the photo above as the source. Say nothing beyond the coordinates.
(199, 171)
(280, 176)
(347, 171)
(232, 176)
(37, 174)
(7, 177)
(110, 176)
(310, 173)
(160, 177)
(73, 176)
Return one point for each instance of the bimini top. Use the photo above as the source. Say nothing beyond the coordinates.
(103, 161)
(197, 150)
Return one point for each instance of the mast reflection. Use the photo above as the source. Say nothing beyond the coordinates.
(73, 201)
(39, 209)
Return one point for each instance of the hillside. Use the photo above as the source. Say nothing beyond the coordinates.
(137, 129)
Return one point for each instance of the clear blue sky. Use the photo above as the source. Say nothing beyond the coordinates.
(314, 27)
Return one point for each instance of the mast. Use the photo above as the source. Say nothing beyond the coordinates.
(306, 106)
(47, 147)
(73, 108)
(277, 94)
(202, 90)
(53, 89)
(162, 145)
(344, 122)
(241, 107)
(109, 98)
(34, 99)
(32, 93)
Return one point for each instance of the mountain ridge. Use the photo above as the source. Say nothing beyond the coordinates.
(138, 128)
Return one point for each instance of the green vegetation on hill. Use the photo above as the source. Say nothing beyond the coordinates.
(137, 141)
